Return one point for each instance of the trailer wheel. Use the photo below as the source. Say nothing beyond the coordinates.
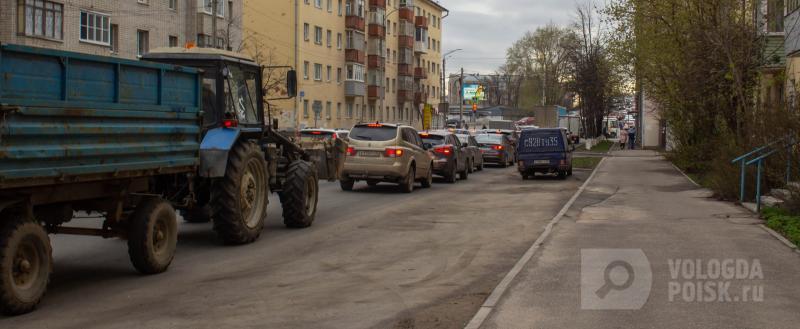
(25, 265)
(152, 236)
(300, 192)
(240, 198)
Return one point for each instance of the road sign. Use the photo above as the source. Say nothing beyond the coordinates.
(427, 117)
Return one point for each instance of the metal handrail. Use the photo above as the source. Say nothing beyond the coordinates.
(758, 159)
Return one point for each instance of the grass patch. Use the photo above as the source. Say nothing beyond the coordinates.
(586, 162)
(603, 146)
(784, 223)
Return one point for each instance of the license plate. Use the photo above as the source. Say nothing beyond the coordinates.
(542, 162)
(371, 154)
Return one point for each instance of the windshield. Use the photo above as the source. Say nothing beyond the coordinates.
(240, 87)
(373, 133)
(432, 139)
(489, 139)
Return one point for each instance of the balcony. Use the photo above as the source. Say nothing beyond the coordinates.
(378, 3)
(421, 21)
(420, 73)
(404, 96)
(376, 30)
(420, 47)
(375, 92)
(406, 13)
(376, 62)
(405, 41)
(354, 22)
(354, 55)
(354, 89)
(404, 70)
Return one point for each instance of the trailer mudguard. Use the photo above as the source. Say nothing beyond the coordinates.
(214, 151)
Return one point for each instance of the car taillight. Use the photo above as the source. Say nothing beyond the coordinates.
(351, 151)
(230, 123)
(316, 133)
(446, 150)
(497, 147)
(393, 152)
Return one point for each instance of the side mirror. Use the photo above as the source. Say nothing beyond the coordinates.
(291, 83)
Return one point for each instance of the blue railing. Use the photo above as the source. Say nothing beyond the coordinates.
(757, 156)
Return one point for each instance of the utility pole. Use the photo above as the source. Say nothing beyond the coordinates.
(214, 22)
(461, 99)
(441, 97)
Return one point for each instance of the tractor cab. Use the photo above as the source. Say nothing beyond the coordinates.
(231, 86)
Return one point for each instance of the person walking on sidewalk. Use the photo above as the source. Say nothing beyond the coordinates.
(632, 137)
(623, 137)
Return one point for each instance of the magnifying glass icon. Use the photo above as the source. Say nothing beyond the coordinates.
(610, 284)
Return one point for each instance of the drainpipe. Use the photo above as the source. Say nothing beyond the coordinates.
(296, 62)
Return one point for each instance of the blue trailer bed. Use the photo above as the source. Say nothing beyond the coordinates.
(68, 117)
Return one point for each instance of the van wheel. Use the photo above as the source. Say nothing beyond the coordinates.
(562, 174)
(26, 262)
(569, 172)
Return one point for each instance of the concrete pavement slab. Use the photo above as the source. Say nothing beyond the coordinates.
(709, 263)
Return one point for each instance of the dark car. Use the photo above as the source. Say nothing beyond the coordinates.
(496, 148)
(450, 158)
(546, 151)
(474, 153)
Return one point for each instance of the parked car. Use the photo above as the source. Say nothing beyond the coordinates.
(383, 152)
(473, 150)
(450, 159)
(545, 151)
(496, 148)
(321, 134)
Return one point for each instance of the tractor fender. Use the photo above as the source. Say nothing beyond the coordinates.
(214, 151)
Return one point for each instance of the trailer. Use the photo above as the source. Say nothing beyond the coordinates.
(135, 141)
(94, 134)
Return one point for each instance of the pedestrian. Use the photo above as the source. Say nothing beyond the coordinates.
(623, 137)
(632, 137)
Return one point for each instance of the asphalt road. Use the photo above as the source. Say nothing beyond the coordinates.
(374, 258)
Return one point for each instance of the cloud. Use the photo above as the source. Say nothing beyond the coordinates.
(484, 29)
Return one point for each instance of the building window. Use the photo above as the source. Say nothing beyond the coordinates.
(41, 18)
(338, 110)
(355, 72)
(305, 31)
(206, 8)
(317, 35)
(305, 70)
(338, 41)
(328, 73)
(330, 6)
(775, 16)
(173, 41)
(114, 38)
(328, 106)
(349, 113)
(142, 42)
(173, 4)
(95, 28)
(318, 4)
(144, 2)
(338, 74)
(317, 72)
(339, 8)
(305, 108)
(328, 35)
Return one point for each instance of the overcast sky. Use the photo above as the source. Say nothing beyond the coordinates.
(484, 29)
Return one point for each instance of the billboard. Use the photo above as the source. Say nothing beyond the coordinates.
(474, 92)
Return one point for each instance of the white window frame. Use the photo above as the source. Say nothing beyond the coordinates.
(172, 4)
(318, 35)
(339, 41)
(92, 15)
(305, 70)
(329, 36)
(329, 72)
(306, 31)
(317, 72)
(355, 72)
(205, 7)
(139, 52)
(318, 4)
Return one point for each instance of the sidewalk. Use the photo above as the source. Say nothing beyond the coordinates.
(639, 201)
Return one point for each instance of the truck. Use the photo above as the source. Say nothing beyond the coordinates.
(134, 141)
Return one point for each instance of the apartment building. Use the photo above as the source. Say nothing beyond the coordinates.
(356, 60)
(124, 28)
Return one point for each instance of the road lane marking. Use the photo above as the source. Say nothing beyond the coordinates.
(498, 292)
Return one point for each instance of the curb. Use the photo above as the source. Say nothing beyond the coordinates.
(494, 298)
(780, 237)
(684, 174)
